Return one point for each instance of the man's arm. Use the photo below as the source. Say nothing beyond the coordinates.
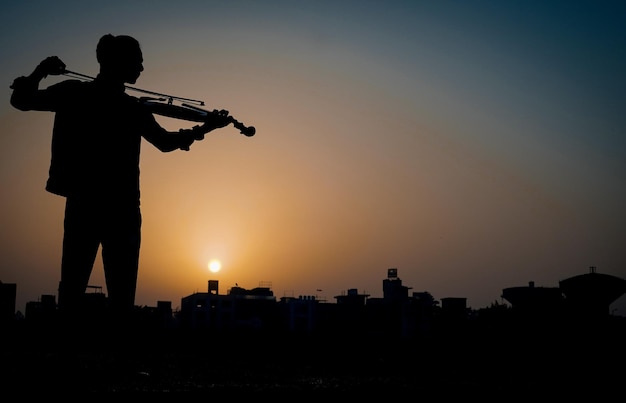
(183, 139)
(25, 89)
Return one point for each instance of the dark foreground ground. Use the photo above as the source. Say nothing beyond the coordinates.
(490, 363)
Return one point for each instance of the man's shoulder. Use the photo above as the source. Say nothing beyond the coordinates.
(136, 103)
(70, 83)
(69, 87)
(131, 98)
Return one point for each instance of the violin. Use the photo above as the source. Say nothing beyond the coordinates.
(163, 105)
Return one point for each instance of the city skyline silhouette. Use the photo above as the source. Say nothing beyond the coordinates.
(397, 344)
(606, 291)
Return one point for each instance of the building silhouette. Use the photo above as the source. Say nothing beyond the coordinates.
(8, 294)
(238, 309)
(583, 296)
(593, 293)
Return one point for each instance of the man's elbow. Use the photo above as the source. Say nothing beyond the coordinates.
(19, 104)
(166, 148)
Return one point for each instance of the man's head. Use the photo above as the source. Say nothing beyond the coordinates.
(120, 58)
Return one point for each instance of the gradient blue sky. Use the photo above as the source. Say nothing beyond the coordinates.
(474, 146)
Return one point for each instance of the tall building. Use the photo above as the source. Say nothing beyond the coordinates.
(8, 294)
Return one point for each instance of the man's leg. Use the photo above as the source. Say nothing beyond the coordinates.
(120, 255)
(80, 247)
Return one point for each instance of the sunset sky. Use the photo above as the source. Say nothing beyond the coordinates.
(473, 145)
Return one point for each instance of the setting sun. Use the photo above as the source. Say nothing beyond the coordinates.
(215, 266)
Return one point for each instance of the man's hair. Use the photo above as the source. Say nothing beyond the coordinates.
(112, 49)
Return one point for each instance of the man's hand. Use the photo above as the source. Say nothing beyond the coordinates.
(216, 120)
(50, 66)
(187, 137)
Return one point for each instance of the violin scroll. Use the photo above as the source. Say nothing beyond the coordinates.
(247, 131)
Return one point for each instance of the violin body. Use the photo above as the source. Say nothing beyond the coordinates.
(174, 111)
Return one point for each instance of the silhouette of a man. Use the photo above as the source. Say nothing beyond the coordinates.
(96, 141)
